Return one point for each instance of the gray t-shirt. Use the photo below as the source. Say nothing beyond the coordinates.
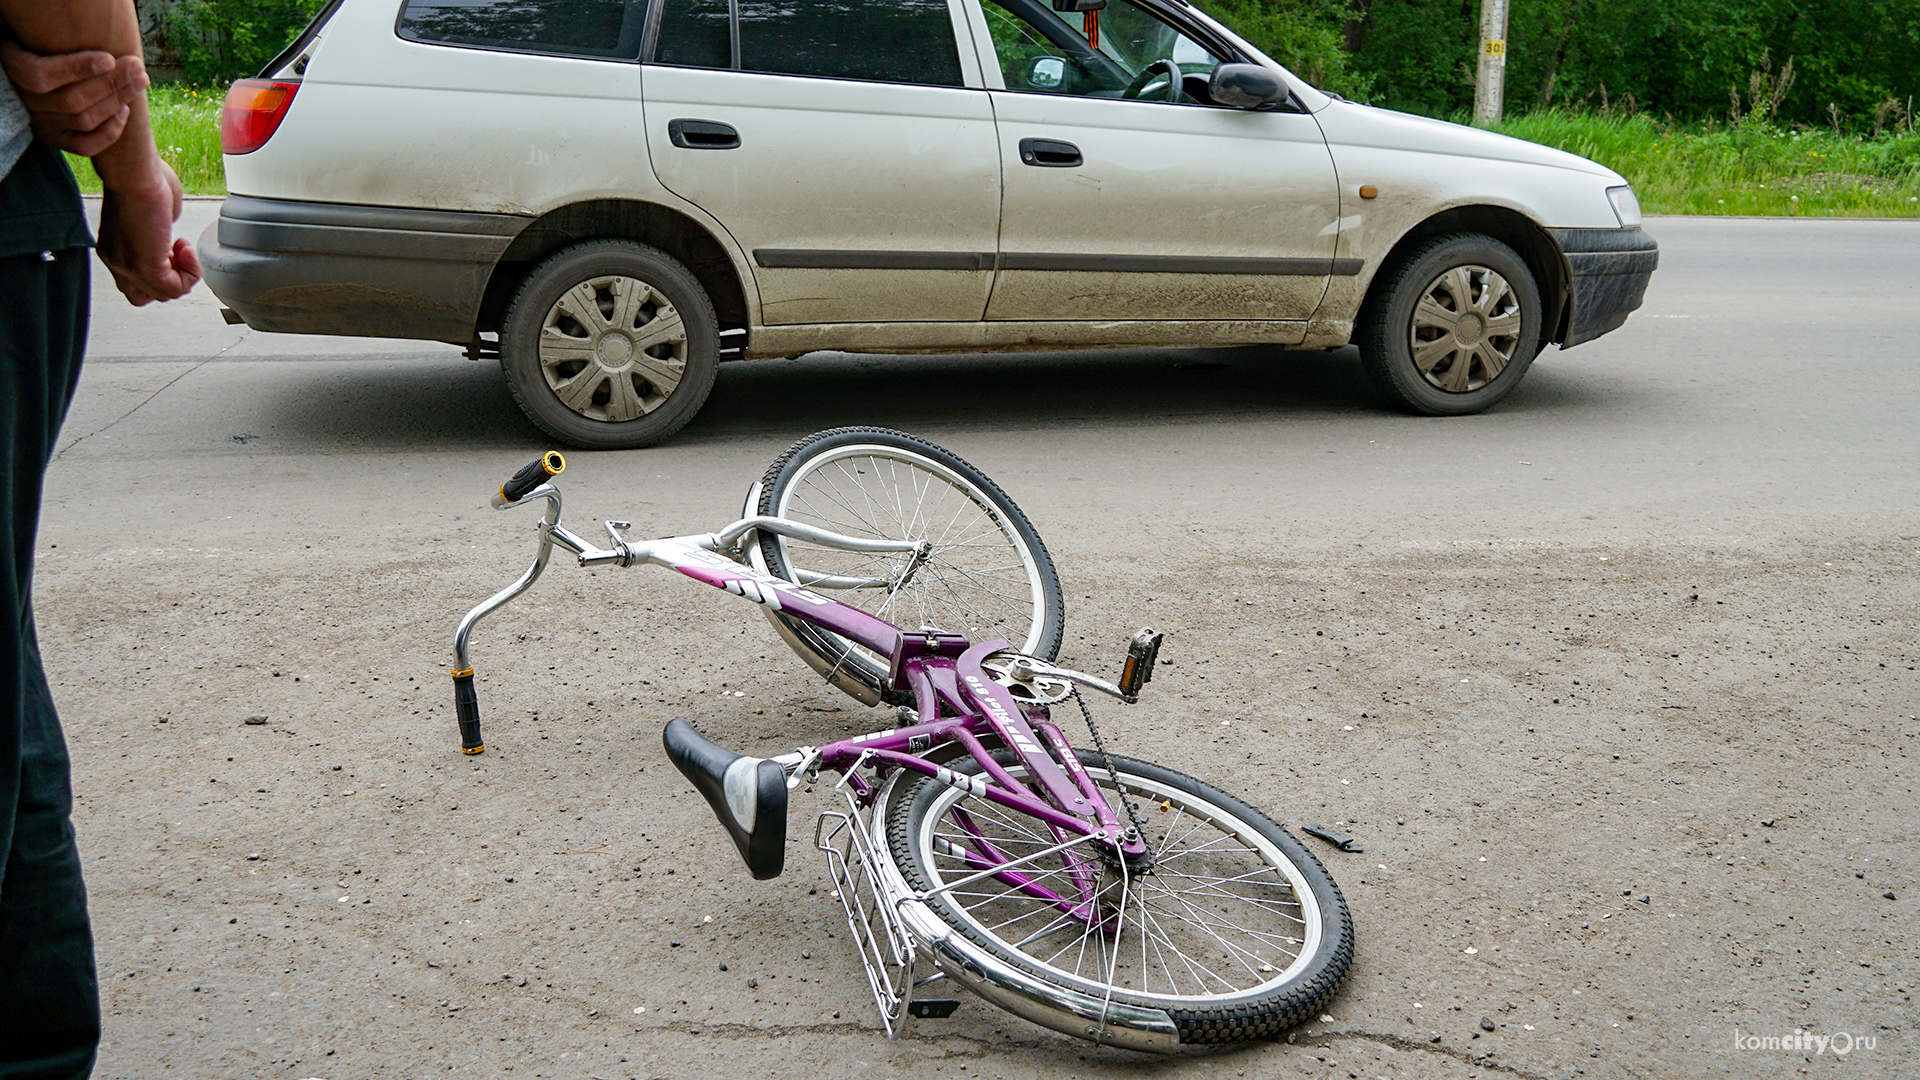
(14, 133)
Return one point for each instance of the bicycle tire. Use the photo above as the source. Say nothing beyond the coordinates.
(1283, 977)
(989, 577)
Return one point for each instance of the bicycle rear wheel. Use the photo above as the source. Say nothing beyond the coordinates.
(989, 577)
(1236, 931)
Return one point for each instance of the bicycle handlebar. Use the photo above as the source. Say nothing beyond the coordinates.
(531, 476)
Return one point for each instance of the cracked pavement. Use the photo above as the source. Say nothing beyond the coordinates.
(1616, 684)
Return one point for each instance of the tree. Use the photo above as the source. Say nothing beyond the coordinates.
(218, 41)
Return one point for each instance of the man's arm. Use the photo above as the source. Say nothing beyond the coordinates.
(80, 102)
(142, 193)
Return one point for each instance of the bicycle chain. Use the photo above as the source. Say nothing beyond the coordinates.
(1100, 744)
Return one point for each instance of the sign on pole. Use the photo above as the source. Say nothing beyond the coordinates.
(1490, 77)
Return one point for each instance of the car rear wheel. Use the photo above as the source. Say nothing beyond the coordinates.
(1453, 327)
(610, 345)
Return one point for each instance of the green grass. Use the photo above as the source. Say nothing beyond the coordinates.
(1675, 169)
(1752, 169)
(186, 127)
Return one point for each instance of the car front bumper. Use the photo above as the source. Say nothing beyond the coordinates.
(1608, 273)
(361, 271)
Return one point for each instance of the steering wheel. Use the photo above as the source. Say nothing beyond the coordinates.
(1142, 80)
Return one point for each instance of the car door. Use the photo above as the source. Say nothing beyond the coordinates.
(847, 145)
(1129, 197)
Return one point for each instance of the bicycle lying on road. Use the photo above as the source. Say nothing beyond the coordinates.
(1095, 894)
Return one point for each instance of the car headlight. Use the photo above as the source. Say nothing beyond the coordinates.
(1625, 206)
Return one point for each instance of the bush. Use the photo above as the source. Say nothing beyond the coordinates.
(219, 41)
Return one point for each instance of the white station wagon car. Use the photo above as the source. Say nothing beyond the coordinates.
(612, 196)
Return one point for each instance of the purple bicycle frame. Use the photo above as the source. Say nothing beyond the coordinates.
(943, 673)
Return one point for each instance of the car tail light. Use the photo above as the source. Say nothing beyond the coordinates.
(252, 113)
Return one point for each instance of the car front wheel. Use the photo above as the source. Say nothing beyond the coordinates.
(1453, 327)
(610, 345)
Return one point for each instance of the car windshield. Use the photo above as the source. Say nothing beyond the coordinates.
(1130, 41)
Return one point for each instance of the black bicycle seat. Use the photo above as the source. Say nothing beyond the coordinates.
(748, 795)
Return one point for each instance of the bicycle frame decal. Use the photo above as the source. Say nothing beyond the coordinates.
(723, 573)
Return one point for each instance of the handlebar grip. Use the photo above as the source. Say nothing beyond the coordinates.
(532, 476)
(467, 704)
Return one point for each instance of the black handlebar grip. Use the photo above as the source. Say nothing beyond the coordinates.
(467, 704)
(535, 474)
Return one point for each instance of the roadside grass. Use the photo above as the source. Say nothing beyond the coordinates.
(1675, 169)
(186, 127)
(1752, 169)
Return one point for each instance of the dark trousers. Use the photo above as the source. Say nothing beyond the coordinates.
(49, 996)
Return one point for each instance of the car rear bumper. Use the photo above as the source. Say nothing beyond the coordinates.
(1609, 271)
(363, 271)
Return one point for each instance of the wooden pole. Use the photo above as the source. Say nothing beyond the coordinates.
(1490, 76)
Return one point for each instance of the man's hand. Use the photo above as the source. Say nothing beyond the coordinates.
(136, 237)
(79, 101)
(142, 193)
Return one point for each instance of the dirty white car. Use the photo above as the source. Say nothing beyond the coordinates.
(612, 196)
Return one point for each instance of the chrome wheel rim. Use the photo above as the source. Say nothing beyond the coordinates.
(1222, 916)
(980, 581)
(613, 348)
(1466, 329)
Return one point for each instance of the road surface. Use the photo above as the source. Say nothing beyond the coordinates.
(1616, 683)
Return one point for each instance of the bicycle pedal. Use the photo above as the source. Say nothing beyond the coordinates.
(932, 1008)
(1142, 650)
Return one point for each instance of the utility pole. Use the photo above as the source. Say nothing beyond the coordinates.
(1490, 78)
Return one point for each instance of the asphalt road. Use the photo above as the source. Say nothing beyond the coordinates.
(1617, 684)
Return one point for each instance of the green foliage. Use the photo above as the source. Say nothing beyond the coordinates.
(1749, 169)
(1419, 54)
(218, 41)
(1695, 60)
(1688, 58)
(186, 128)
(1306, 36)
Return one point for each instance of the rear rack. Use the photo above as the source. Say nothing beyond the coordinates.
(887, 950)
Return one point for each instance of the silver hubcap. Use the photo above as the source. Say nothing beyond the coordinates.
(1465, 328)
(613, 348)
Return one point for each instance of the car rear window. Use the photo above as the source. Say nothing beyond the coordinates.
(898, 41)
(607, 29)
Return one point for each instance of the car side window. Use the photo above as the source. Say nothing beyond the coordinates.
(695, 33)
(1048, 52)
(603, 29)
(897, 41)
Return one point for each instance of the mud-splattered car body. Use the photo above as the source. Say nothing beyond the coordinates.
(916, 176)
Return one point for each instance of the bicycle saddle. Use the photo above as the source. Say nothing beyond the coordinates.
(748, 795)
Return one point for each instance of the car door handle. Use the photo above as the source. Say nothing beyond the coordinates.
(1049, 153)
(703, 135)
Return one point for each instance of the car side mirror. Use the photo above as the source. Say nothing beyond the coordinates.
(1245, 86)
(1046, 73)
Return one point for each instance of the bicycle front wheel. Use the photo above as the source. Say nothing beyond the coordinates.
(1235, 930)
(989, 575)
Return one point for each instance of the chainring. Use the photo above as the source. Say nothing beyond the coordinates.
(1016, 673)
